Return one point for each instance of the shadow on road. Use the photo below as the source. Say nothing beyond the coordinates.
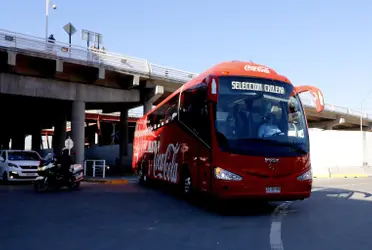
(221, 208)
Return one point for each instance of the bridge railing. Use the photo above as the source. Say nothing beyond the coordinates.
(131, 64)
(338, 109)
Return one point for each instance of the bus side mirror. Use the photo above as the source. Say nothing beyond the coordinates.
(212, 88)
(316, 93)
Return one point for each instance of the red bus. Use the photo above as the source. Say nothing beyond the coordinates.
(238, 130)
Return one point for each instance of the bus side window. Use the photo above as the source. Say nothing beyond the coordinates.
(159, 117)
(194, 111)
(150, 121)
(171, 109)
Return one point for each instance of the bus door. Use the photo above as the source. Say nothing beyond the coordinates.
(195, 115)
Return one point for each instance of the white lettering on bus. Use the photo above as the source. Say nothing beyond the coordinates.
(257, 87)
(274, 89)
(169, 169)
(261, 69)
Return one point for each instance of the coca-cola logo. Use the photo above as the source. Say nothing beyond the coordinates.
(261, 69)
(165, 165)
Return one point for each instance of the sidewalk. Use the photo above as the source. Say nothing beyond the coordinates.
(115, 180)
(342, 172)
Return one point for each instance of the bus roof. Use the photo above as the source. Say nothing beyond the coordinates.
(233, 68)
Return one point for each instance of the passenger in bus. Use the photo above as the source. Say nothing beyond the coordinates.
(237, 123)
(230, 127)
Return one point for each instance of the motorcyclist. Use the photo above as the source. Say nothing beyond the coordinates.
(66, 162)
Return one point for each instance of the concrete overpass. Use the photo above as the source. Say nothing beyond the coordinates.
(67, 80)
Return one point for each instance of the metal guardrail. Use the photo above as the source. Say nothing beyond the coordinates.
(98, 168)
(338, 109)
(129, 64)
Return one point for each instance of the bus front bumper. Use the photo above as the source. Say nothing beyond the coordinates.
(271, 190)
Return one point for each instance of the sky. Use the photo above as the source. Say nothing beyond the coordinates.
(322, 43)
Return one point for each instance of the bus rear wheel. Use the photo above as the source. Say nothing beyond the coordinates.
(142, 178)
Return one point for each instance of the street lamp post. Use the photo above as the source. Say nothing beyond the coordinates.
(47, 5)
(361, 110)
(361, 124)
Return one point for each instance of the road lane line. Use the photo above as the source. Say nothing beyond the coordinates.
(276, 235)
(276, 242)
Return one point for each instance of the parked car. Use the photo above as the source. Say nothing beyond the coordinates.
(19, 165)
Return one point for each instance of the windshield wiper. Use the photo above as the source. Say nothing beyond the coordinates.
(274, 142)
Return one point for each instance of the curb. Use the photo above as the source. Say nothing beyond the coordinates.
(349, 176)
(321, 176)
(338, 176)
(112, 182)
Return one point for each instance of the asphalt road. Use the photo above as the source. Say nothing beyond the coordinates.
(337, 216)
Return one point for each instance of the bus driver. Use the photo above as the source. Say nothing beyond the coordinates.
(269, 128)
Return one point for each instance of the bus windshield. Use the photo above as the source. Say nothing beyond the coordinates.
(260, 117)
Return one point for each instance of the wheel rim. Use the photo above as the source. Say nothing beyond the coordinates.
(187, 184)
(139, 174)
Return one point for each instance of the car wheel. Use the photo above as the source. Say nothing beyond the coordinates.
(5, 178)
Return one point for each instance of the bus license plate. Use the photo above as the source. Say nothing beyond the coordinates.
(272, 190)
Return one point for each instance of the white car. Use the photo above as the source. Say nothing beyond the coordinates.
(18, 165)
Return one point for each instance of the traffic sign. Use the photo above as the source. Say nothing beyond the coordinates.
(69, 144)
(70, 29)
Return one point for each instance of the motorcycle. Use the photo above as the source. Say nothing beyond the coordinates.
(51, 176)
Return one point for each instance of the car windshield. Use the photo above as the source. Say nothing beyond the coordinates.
(22, 156)
(257, 116)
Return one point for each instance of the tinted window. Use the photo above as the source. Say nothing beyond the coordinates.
(194, 111)
(164, 114)
(171, 109)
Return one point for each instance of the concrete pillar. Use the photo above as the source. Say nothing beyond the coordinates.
(78, 130)
(59, 136)
(150, 95)
(18, 141)
(123, 139)
(36, 139)
(147, 106)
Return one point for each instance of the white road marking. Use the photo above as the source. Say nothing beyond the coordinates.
(276, 242)
(317, 189)
(276, 235)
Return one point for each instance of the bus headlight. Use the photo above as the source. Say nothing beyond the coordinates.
(306, 176)
(223, 174)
